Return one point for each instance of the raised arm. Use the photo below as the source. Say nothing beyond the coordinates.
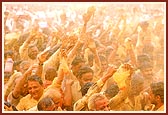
(95, 88)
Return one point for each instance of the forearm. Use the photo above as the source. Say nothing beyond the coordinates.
(132, 56)
(97, 59)
(67, 96)
(112, 56)
(8, 86)
(23, 51)
(17, 89)
(73, 52)
(40, 69)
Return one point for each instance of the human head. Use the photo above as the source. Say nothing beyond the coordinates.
(6, 77)
(104, 63)
(9, 54)
(98, 102)
(49, 76)
(85, 87)
(109, 50)
(111, 91)
(137, 85)
(33, 52)
(24, 66)
(76, 64)
(56, 95)
(35, 86)
(142, 58)
(147, 70)
(46, 104)
(144, 25)
(157, 93)
(90, 60)
(85, 75)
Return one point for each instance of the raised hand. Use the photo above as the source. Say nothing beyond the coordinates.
(123, 73)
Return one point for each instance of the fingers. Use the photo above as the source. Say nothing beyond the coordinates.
(127, 66)
(111, 69)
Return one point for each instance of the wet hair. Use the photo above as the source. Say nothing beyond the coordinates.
(158, 89)
(44, 103)
(112, 90)
(77, 60)
(85, 87)
(35, 78)
(83, 70)
(95, 97)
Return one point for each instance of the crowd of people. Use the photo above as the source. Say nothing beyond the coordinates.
(78, 58)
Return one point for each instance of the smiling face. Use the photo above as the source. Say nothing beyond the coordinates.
(35, 89)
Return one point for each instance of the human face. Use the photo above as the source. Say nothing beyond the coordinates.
(104, 65)
(35, 89)
(33, 52)
(85, 78)
(6, 79)
(75, 68)
(147, 73)
(102, 105)
(58, 101)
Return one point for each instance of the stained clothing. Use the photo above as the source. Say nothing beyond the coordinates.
(26, 103)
